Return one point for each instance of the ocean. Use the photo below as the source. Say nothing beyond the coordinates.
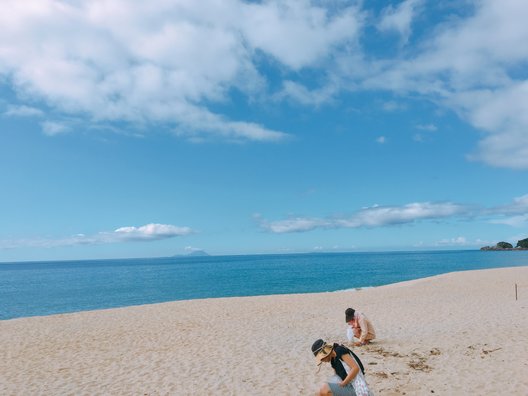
(45, 288)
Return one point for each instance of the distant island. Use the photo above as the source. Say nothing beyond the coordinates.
(521, 245)
(194, 253)
(200, 253)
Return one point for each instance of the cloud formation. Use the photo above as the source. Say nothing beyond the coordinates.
(513, 214)
(399, 18)
(473, 66)
(148, 232)
(52, 128)
(170, 62)
(458, 241)
(23, 111)
(517, 207)
(120, 60)
(376, 216)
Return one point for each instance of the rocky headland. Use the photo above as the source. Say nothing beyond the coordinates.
(521, 245)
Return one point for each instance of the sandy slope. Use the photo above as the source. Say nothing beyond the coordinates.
(454, 334)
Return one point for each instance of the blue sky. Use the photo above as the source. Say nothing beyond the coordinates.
(134, 129)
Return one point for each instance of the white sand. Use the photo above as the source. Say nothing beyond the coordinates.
(454, 334)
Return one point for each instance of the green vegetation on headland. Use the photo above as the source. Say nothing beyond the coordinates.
(521, 245)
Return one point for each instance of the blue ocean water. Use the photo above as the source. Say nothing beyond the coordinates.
(44, 288)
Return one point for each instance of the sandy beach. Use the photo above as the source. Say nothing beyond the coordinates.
(454, 334)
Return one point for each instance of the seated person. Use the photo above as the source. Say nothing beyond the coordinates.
(360, 327)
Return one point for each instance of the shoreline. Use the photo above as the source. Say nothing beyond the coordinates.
(348, 290)
(454, 333)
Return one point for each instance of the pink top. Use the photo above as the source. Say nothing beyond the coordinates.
(362, 327)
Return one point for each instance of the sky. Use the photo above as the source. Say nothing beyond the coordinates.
(160, 128)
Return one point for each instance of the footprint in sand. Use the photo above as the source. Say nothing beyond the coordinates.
(435, 352)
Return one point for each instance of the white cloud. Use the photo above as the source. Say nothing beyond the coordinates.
(381, 139)
(376, 216)
(461, 241)
(169, 61)
(519, 206)
(389, 215)
(501, 114)
(420, 137)
(471, 65)
(298, 224)
(392, 105)
(148, 232)
(162, 61)
(400, 18)
(300, 94)
(23, 111)
(513, 221)
(52, 128)
(282, 29)
(514, 214)
(458, 241)
(190, 249)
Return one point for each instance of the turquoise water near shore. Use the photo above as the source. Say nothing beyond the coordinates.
(45, 288)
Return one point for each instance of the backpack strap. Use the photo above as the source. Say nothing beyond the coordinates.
(358, 362)
(355, 357)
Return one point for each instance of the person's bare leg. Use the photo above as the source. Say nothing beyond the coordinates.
(325, 390)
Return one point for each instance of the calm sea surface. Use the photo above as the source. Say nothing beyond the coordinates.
(44, 288)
